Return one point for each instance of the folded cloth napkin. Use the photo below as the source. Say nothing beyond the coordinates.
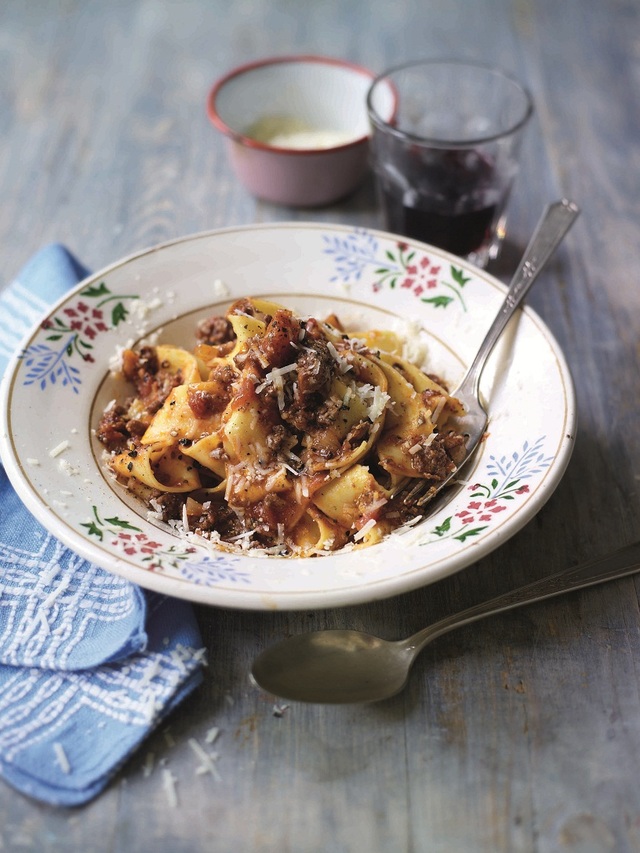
(89, 663)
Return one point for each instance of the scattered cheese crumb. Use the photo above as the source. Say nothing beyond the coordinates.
(208, 761)
(438, 410)
(61, 758)
(220, 288)
(68, 468)
(364, 530)
(59, 448)
(169, 785)
(343, 364)
(148, 764)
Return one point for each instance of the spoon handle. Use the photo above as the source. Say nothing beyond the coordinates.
(554, 223)
(623, 562)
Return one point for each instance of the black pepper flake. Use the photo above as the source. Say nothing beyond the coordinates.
(185, 442)
(130, 466)
(132, 454)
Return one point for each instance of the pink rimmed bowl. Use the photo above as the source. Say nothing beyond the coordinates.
(319, 105)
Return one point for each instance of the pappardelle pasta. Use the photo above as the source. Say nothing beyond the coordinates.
(280, 433)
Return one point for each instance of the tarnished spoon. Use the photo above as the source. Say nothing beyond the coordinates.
(350, 666)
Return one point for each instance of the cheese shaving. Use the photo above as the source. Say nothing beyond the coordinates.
(59, 448)
(364, 530)
(61, 758)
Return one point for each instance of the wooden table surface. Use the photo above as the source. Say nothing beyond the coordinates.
(521, 733)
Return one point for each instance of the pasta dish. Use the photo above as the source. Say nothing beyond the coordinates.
(280, 433)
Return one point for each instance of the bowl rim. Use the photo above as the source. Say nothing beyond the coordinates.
(249, 141)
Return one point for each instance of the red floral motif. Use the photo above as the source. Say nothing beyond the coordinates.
(84, 320)
(138, 543)
(480, 511)
(135, 544)
(71, 333)
(485, 503)
(421, 276)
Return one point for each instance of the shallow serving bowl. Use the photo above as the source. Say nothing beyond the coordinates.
(296, 127)
(366, 277)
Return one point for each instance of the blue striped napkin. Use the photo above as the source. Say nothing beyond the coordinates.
(89, 663)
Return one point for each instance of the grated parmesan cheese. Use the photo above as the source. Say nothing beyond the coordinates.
(438, 410)
(61, 758)
(69, 469)
(140, 308)
(169, 785)
(207, 759)
(364, 530)
(59, 448)
(343, 364)
(378, 404)
(220, 289)
(374, 398)
(147, 768)
(414, 348)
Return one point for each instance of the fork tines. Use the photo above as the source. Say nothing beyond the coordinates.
(419, 494)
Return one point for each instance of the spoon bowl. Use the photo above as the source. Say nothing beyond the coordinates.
(352, 667)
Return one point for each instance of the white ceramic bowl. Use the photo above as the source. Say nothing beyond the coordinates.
(52, 396)
(318, 106)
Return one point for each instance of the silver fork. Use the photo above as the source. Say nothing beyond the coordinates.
(550, 231)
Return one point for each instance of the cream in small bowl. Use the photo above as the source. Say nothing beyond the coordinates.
(287, 131)
(296, 127)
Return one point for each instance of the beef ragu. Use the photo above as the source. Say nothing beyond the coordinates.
(279, 433)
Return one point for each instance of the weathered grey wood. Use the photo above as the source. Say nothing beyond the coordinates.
(519, 734)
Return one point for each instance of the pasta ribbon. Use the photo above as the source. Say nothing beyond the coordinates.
(178, 361)
(159, 467)
(351, 499)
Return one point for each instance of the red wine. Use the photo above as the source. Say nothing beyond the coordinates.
(443, 196)
(459, 233)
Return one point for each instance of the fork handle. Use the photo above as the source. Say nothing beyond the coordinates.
(623, 562)
(554, 223)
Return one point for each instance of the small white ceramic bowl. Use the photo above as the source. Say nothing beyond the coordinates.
(297, 127)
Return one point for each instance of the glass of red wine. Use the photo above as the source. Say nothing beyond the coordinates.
(445, 141)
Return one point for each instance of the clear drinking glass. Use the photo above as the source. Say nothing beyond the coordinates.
(445, 141)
